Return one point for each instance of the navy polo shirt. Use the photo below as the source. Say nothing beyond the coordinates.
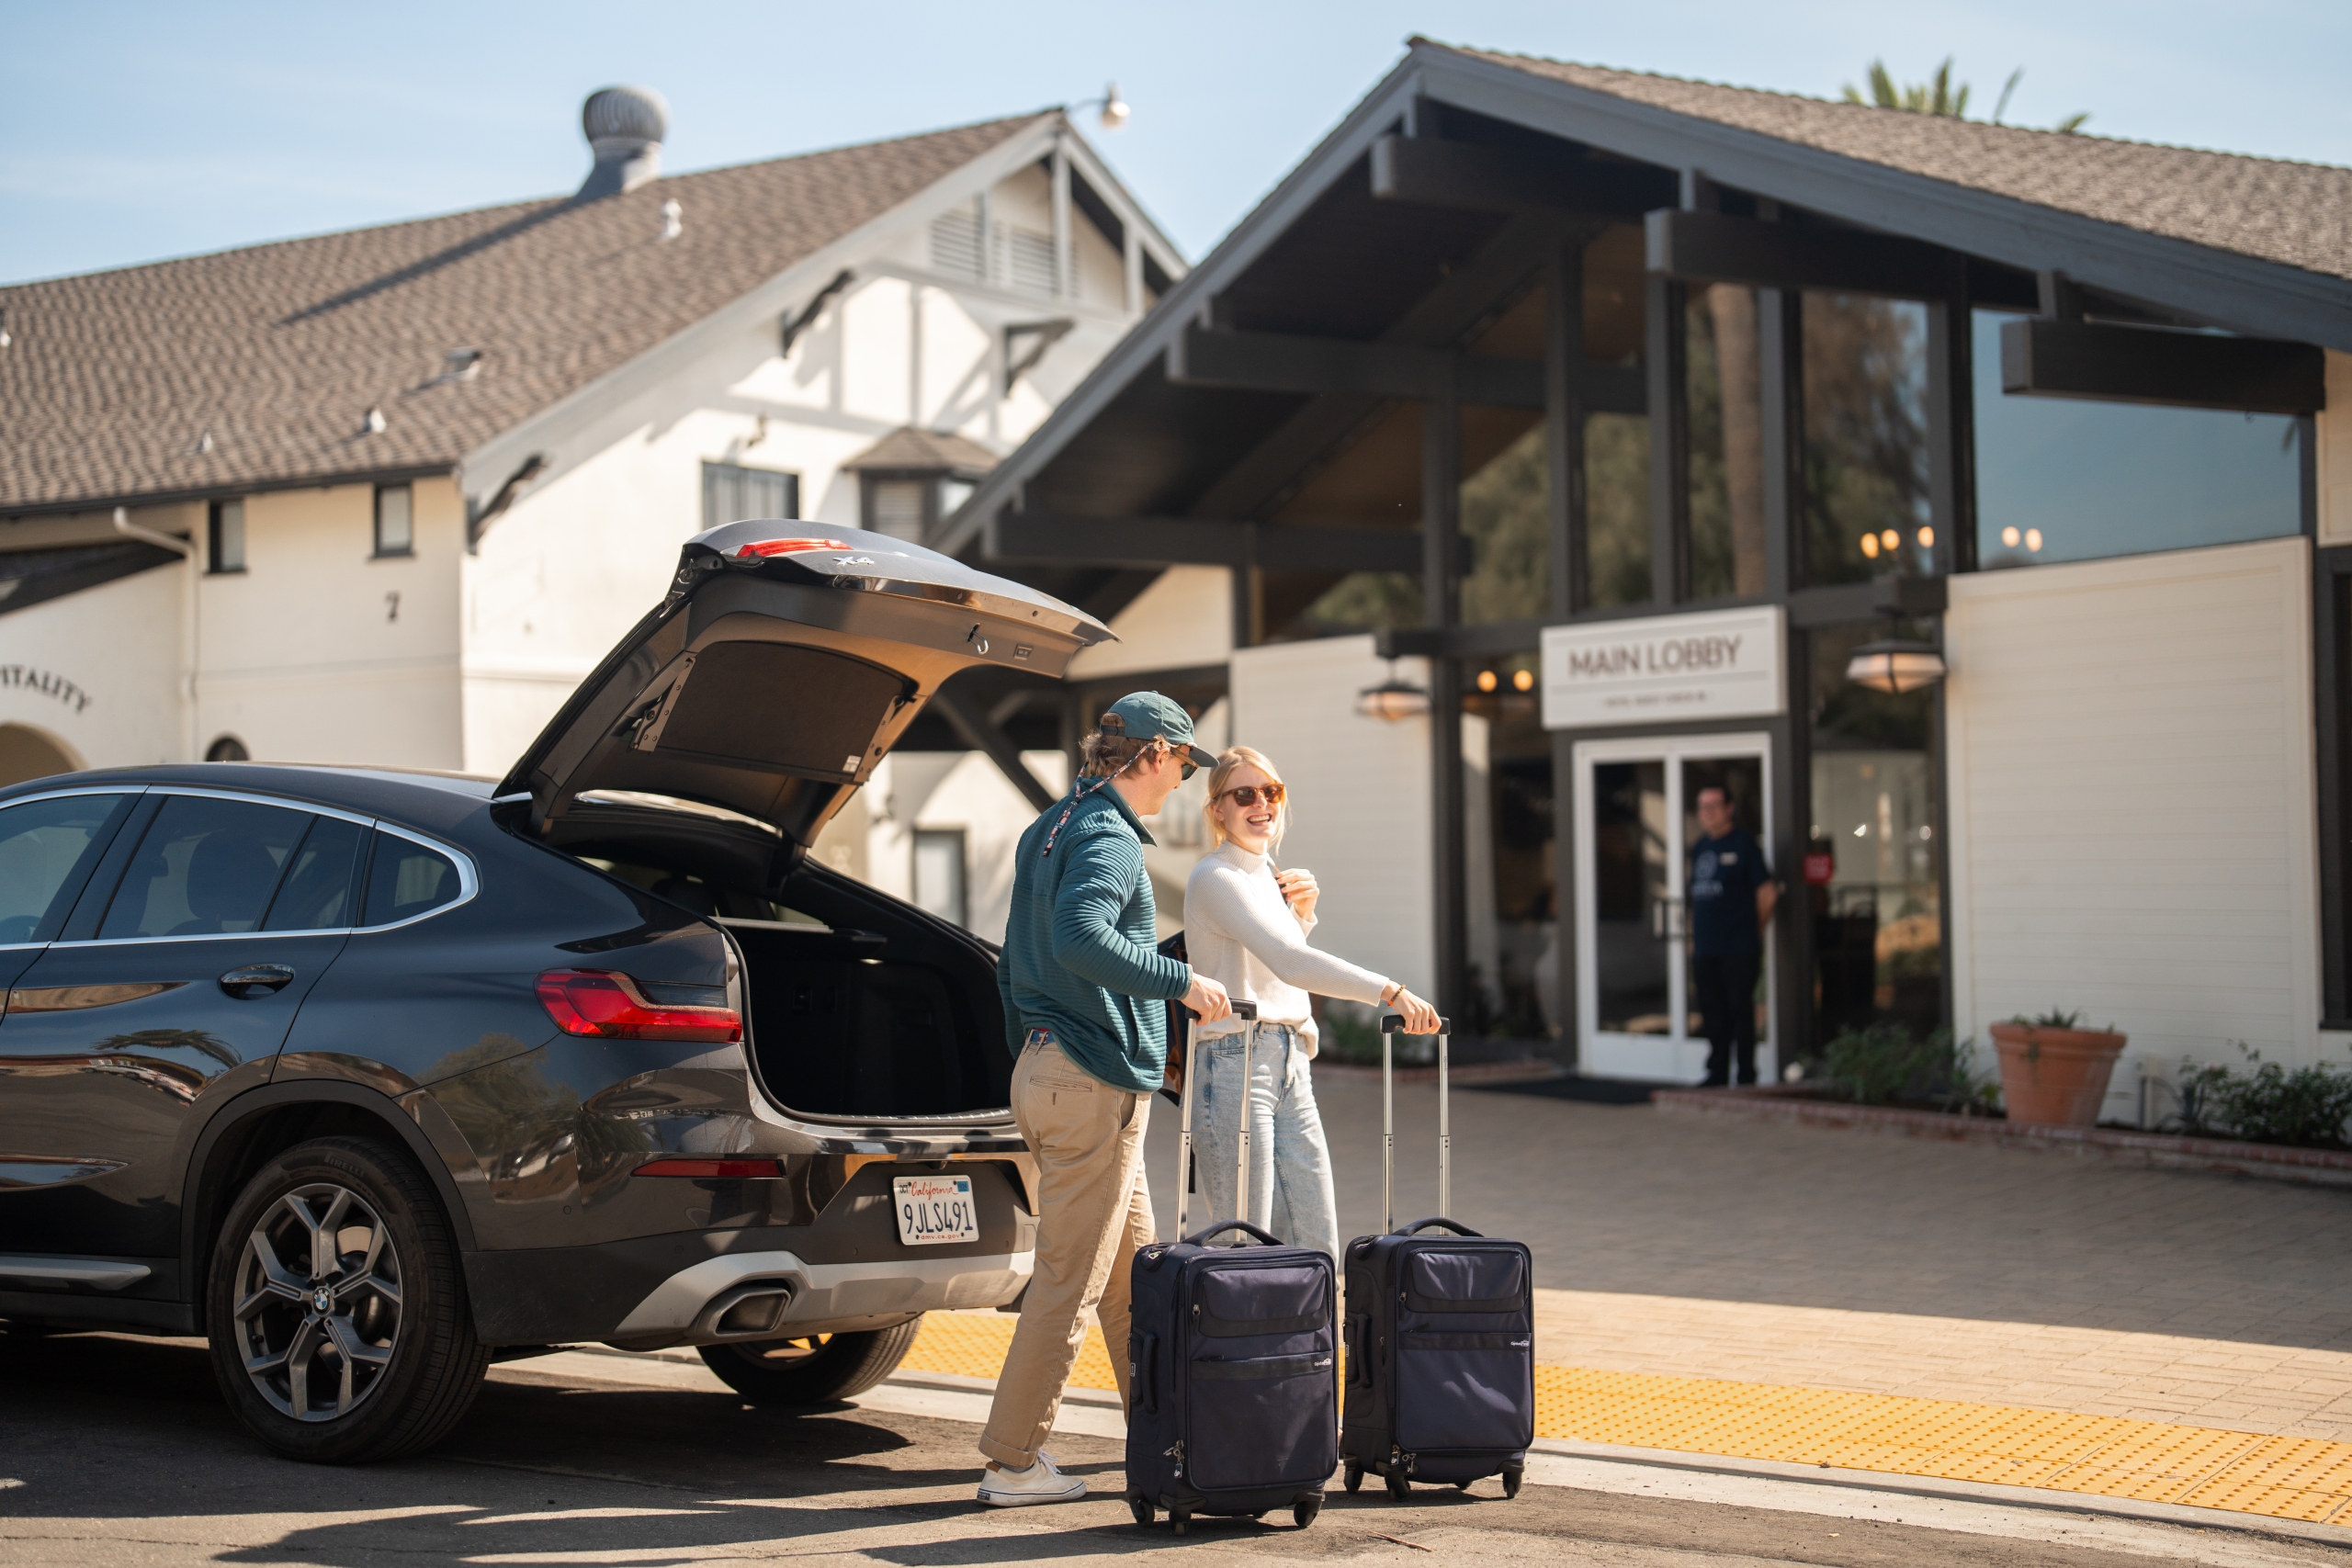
(1725, 874)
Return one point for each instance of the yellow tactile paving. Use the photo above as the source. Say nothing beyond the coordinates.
(2295, 1478)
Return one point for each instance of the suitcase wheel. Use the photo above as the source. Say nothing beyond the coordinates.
(1398, 1487)
(1511, 1481)
(1356, 1476)
(1177, 1519)
(1302, 1512)
(1142, 1509)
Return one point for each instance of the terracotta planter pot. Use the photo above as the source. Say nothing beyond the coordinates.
(2056, 1076)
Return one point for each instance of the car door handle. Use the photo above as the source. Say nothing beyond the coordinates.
(256, 980)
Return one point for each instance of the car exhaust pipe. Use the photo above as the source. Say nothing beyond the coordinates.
(747, 1311)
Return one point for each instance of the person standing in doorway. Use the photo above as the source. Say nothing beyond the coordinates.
(1085, 993)
(1732, 895)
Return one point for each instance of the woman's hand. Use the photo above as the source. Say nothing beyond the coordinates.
(1420, 1016)
(1299, 887)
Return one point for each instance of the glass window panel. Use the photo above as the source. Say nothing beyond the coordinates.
(395, 523)
(228, 541)
(1726, 414)
(1871, 881)
(734, 495)
(1617, 509)
(898, 508)
(405, 879)
(1629, 875)
(45, 848)
(2059, 479)
(206, 866)
(1514, 932)
(1866, 439)
(317, 892)
(1505, 502)
(1615, 303)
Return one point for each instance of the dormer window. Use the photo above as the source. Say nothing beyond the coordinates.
(911, 479)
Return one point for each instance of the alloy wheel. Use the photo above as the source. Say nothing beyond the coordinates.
(318, 1302)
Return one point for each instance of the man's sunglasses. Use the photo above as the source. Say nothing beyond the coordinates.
(1248, 794)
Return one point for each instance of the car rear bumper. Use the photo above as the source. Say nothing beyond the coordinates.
(755, 1295)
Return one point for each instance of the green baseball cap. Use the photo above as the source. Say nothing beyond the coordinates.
(1140, 716)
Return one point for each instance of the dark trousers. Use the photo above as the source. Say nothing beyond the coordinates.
(1726, 986)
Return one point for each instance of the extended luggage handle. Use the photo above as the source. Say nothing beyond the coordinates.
(1200, 1238)
(1391, 1025)
(1247, 1012)
(1457, 1226)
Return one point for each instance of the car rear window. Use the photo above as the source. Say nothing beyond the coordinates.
(206, 866)
(316, 894)
(406, 879)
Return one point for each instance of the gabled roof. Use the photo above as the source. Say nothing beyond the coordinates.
(908, 447)
(2298, 215)
(113, 380)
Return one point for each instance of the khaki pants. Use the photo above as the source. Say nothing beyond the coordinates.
(1094, 1214)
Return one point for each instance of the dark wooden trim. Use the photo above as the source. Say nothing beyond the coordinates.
(1563, 429)
(1914, 598)
(1186, 541)
(1476, 178)
(1952, 432)
(1711, 247)
(1780, 367)
(1441, 523)
(1670, 441)
(1283, 362)
(2091, 360)
(982, 733)
(1495, 639)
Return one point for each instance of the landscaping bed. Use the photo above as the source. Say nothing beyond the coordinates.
(1805, 1103)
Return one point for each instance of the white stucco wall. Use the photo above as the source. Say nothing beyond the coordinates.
(99, 670)
(2132, 787)
(1359, 791)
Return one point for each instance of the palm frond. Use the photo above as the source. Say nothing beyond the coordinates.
(2072, 123)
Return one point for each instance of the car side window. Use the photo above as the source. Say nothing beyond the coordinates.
(406, 879)
(317, 893)
(206, 866)
(47, 848)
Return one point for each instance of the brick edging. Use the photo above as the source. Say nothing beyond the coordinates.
(1784, 1102)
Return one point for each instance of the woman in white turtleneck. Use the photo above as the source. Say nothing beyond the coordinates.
(1246, 925)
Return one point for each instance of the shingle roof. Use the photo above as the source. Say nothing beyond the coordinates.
(2299, 215)
(908, 447)
(278, 351)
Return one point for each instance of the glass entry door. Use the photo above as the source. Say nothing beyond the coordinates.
(1637, 818)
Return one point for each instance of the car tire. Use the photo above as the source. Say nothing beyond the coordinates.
(831, 1367)
(388, 1286)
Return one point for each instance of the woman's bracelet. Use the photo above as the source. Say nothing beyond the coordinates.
(1388, 996)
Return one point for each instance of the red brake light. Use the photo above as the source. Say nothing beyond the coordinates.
(599, 1002)
(763, 548)
(712, 1169)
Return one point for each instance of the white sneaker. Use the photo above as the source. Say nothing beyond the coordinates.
(1041, 1483)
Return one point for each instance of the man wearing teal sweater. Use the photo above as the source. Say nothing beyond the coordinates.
(1085, 991)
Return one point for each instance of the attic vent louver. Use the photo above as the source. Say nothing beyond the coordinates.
(624, 127)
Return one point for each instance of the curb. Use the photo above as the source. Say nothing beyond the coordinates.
(1460, 1072)
(2157, 1151)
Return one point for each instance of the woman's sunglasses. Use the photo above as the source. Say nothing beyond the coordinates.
(1248, 794)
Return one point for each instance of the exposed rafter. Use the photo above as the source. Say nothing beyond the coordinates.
(1186, 541)
(2091, 360)
(1708, 247)
(1468, 177)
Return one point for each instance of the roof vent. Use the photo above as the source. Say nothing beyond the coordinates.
(624, 127)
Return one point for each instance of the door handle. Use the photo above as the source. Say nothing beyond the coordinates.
(256, 980)
(1665, 919)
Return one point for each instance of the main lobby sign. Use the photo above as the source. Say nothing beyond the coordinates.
(1664, 668)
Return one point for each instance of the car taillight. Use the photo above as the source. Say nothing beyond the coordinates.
(758, 549)
(712, 1169)
(600, 1002)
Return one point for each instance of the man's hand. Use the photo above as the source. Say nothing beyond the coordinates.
(1299, 887)
(1420, 1016)
(1207, 998)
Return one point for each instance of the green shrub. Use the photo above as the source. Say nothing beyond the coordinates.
(1350, 1034)
(1884, 1063)
(2306, 1108)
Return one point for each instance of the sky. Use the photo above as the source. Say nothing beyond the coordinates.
(132, 131)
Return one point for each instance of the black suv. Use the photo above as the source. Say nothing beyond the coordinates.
(375, 1077)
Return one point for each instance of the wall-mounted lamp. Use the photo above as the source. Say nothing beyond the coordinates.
(1393, 701)
(1114, 108)
(1895, 665)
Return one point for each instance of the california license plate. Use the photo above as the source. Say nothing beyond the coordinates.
(935, 1209)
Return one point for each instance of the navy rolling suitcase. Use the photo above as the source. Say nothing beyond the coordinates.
(1440, 1334)
(1232, 1367)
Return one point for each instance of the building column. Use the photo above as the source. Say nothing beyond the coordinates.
(1441, 559)
(1571, 588)
(1064, 283)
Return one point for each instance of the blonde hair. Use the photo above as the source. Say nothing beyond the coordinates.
(1231, 760)
(1106, 754)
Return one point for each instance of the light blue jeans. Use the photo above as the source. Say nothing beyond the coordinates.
(1290, 1166)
